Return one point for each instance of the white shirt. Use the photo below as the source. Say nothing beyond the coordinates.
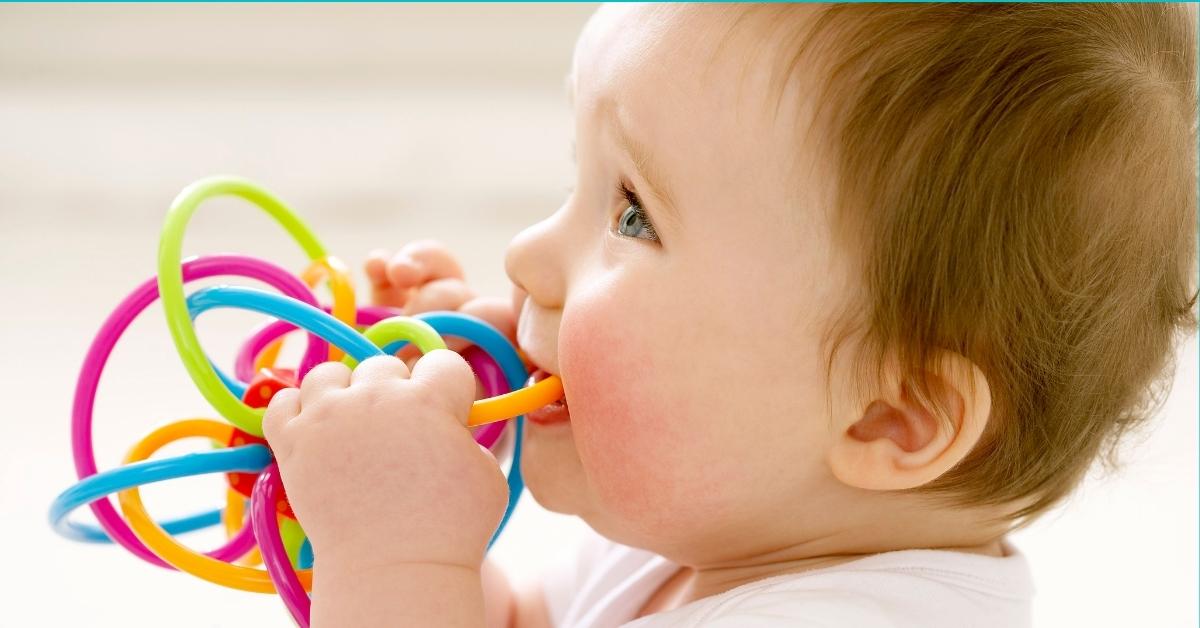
(606, 584)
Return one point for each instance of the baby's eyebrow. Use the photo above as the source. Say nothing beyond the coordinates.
(638, 153)
(646, 167)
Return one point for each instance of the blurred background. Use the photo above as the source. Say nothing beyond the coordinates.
(379, 124)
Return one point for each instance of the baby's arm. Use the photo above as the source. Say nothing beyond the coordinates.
(397, 595)
(448, 598)
(506, 608)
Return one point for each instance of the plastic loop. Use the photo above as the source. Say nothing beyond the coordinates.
(275, 557)
(103, 484)
(170, 284)
(170, 550)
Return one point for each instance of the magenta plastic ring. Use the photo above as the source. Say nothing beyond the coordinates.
(101, 348)
(266, 527)
(494, 384)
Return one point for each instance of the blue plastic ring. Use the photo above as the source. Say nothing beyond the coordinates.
(250, 458)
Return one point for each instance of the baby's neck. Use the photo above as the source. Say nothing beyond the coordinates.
(784, 545)
(689, 584)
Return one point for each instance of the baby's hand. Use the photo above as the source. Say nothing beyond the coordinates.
(424, 276)
(380, 467)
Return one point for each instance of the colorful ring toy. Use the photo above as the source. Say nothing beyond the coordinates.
(331, 335)
(106, 339)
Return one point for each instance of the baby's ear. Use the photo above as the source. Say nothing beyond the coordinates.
(897, 441)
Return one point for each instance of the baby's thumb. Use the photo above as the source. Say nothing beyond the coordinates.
(450, 377)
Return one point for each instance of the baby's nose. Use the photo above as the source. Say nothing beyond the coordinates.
(535, 263)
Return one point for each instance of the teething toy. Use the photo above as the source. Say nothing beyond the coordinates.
(339, 331)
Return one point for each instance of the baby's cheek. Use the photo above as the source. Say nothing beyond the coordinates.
(628, 415)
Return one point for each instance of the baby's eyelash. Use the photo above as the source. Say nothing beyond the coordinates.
(631, 197)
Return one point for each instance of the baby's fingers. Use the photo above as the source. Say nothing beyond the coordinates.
(377, 370)
(325, 377)
(440, 294)
(382, 290)
(376, 268)
(452, 378)
(421, 262)
(283, 407)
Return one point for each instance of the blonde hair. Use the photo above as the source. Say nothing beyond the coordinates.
(1020, 182)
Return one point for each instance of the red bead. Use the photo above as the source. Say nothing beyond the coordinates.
(265, 384)
(258, 394)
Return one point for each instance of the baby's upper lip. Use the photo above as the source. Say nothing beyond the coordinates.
(538, 367)
(539, 372)
(532, 351)
(537, 336)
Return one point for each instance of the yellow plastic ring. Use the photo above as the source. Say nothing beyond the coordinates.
(338, 276)
(344, 307)
(234, 518)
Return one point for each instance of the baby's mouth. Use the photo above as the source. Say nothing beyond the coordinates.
(552, 413)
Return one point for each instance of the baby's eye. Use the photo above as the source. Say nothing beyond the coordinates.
(633, 222)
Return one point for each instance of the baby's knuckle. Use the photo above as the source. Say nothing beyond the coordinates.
(271, 425)
(424, 395)
(326, 403)
(320, 371)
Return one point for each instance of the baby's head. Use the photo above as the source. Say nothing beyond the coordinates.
(855, 278)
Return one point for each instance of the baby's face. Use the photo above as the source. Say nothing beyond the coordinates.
(686, 315)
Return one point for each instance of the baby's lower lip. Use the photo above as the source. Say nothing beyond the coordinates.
(551, 413)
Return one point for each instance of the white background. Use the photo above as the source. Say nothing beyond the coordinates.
(380, 124)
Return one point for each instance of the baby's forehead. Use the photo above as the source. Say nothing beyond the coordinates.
(700, 80)
(721, 57)
(660, 40)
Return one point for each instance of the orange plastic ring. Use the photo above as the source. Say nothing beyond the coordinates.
(176, 554)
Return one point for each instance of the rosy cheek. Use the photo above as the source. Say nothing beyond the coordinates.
(625, 409)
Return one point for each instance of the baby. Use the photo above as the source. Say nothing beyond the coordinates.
(841, 296)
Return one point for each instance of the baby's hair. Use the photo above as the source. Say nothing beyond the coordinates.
(1019, 182)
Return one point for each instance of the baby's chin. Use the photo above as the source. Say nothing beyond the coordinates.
(551, 469)
(556, 480)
